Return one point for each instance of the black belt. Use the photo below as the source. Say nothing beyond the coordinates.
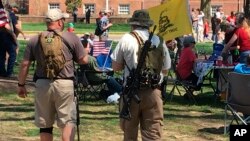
(68, 78)
(157, 86)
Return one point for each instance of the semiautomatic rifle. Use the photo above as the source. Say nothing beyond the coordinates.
(133, 81)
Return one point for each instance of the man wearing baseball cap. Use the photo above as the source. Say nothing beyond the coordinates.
(54, 98)
(55, 14)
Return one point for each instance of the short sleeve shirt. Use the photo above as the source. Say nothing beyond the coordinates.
(231, 20)
(127, 48)
(244, 39)
(186, 62)
(33, 52)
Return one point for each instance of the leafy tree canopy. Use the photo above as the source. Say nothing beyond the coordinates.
(71, 4)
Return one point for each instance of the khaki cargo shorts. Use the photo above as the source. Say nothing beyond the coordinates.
(54, 101)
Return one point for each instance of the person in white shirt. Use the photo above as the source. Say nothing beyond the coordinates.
(149, 112)
(200, 26)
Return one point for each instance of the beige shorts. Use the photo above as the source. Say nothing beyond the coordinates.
(54, 101)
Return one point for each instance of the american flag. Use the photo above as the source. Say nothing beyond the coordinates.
(3, 15)
(101, 47)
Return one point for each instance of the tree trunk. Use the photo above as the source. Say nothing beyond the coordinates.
(206, 8)
(247, 8)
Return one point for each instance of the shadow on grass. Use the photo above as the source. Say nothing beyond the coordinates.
(98, 118)
(99, 103)
(207, 107)
(205, 98)
(98, 112)
(31, 118)
(213, 130)
(16, 109)
(212, 116)
(27, 107)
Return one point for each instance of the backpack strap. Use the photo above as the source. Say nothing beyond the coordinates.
(140, 42)
(64, 41)
(138, 38)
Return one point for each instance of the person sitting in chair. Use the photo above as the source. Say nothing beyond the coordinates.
(186, 62)
(114, 87)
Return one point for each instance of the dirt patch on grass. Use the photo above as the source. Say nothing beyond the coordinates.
(8, 85)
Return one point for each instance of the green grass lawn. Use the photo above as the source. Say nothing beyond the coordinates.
(183, 121)
(79, 27)
(99, 121)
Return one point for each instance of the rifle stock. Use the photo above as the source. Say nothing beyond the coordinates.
(133, 81)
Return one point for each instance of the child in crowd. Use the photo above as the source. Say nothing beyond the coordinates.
(71, 27)
(206, 29)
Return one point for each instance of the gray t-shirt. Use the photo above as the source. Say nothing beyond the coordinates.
(33, 52)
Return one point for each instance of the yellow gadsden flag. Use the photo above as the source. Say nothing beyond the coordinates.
(171, 18)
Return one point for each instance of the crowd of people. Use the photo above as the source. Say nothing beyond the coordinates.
(9, 43)
(54, 96)
(201, 25)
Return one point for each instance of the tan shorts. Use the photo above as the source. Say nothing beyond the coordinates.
(54, 100)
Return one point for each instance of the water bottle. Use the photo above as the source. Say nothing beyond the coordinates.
(236, 55)
(236, 52)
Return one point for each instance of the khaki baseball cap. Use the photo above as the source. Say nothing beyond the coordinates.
(54, 15)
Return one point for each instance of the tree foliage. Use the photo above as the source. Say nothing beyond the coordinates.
(71, 4)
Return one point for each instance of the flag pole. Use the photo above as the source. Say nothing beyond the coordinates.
(110, 47)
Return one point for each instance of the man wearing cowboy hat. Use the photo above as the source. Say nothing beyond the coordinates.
(149, 112)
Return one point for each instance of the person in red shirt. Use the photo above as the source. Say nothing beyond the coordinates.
(206, 29)
(241, 36)
(232, 18)
(187, 60)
